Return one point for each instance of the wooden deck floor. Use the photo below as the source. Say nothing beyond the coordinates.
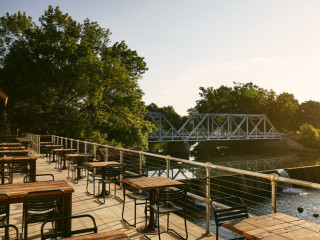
(108, 215)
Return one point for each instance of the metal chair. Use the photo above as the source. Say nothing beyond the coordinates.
(76, 166)
(18, 167)
(166, 204)
(109, 175)
(134, 194)
(4, 171)
(235, 209)
(91, 177)
(40, 206)
(6, 229)
(27, 179)
(4, 210)
(66, 234)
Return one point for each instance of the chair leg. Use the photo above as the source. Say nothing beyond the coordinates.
(135, 213)
(26, 231)
(217, 232)
(185, 225)
(135, 209)
(87, 187)
(104, 195)
(158, 219)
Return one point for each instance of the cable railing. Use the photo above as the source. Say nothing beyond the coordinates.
(263, 193)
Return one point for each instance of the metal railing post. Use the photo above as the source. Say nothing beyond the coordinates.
(121, 161)
(77, 146)
(140, 162)
(208, 197)
(274, 178)
(38, 144)
(106, 155)
(94, 150)
(168, 165)
(85, 147)
(121, 155)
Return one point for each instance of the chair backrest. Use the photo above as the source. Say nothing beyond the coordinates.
(26, 179)
(236, 210)
(43, 200)
(101, 154)
(65, 234)
(7, 227)
(20, 166)
(166, 196)
(113, 172)
(135, 173)
(4, 207)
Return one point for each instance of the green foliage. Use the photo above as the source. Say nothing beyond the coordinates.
(66, 78)
(173, 117)
(310, 135)
(247, 98)
(309, 112)
(168, 111)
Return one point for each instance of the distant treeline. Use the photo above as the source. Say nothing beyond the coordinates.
(283, 110)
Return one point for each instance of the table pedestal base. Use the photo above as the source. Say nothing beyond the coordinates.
(150, 230)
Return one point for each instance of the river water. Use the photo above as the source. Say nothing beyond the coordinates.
(287, 201)
(277, 159)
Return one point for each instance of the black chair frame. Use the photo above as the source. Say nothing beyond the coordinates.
(5, 172)
(26, 178)
(18, 167)
(227, 214)
(165, 204)
(40, 206)
(4, 210)
(134, 194)
(65, 234)
(6, 227)
(111, 175)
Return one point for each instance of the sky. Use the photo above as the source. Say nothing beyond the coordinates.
(189, 44)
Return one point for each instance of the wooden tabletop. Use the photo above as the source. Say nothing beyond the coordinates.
(64, 149)
(277, 226)
(103, 164)
(13, 148)
(18, 158)
(78, 155)
(150, 183)
(17, 191)
(110, 235)
(24, 140)
(52, 146)
(14, 151)
(9, 144)
(46, 143)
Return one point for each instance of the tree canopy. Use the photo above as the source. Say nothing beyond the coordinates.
(66, 78)
(247, 98)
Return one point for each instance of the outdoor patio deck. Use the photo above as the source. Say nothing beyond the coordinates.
(108, 215)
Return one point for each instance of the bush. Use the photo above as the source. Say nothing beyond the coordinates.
(310, 135)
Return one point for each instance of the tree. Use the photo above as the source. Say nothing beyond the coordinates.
(309, 112)
(310, 135)
(283, 113)
(177, 121)
(247, 98)
(66, 78)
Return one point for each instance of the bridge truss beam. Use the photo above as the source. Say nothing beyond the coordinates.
(213, 126)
